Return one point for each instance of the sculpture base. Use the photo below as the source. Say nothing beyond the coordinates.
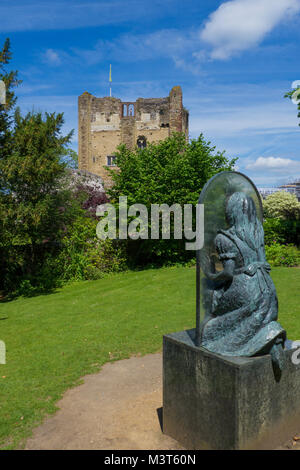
(217, 402)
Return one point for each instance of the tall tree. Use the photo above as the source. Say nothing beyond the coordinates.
(11, 80)
(32, 173)
(34, 207)
(172, 171)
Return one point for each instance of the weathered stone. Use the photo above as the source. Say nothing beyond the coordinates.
(105, 123)
(216, 402)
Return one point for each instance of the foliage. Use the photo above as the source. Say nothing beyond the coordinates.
(84, 256)
(45, 236)
(283, 205)
(34, 209)
(88, 190)
(168, 172)
(11, 80)
(282, 255)
(282, 231)
(293, 93)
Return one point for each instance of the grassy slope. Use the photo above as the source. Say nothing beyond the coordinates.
(53, 340)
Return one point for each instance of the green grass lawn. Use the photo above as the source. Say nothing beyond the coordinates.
(53, 340)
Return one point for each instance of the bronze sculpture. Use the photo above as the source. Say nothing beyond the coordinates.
(240, 301)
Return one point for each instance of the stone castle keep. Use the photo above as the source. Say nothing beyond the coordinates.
(104, 123)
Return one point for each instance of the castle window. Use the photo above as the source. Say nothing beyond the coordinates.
(124, 110)
(111, 160)
(141, 142)
(130, 110)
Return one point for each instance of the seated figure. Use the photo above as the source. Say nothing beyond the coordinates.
(241, 307)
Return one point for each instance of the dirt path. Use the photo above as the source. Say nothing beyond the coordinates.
(114, 409)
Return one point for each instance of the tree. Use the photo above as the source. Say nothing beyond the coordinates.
(11, 80)
(282, 205)
(295, 96)
(171, 171)
(34, 208)
(44, 215)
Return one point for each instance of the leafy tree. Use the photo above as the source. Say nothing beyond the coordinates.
(34, 208)
(282, 231)
(47, 221)
(171, 171)
(282, 205)
(296, 94)
(168, 172)
(11, 80)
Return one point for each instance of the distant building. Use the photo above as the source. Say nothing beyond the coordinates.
(293, 188)
(265, 192)
(104, 123)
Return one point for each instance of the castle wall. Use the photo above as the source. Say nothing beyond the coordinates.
(104, 123)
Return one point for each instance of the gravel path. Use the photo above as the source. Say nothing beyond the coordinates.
(117, 408)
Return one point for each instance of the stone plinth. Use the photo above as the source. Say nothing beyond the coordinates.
(217, 402)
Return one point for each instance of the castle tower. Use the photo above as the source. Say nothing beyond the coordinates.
(104, 123)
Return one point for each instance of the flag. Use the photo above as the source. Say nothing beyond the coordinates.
(110, 73)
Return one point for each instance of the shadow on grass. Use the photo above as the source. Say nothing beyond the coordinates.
(27, 290)
(10, 296)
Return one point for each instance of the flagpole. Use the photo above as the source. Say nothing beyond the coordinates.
(110, 80)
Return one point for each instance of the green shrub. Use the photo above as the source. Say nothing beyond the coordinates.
(282, 231)
(78, 255)
(282, 205)
(84, 257)
(282, 255)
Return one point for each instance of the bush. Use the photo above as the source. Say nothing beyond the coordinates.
(78, 255)
(282, 255)
(84, 257)
(282, 231)
(282, 205)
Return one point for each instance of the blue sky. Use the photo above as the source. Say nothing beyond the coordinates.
(233, 59)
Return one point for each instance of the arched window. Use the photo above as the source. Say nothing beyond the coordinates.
(141, 142)
(125, 110)
(130, 110)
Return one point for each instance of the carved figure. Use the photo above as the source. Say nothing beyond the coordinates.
(241, 307)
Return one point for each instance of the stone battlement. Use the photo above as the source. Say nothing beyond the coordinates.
(104, 123)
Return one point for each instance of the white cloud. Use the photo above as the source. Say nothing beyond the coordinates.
(51, 57)
(241, 24)
(274, 163)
